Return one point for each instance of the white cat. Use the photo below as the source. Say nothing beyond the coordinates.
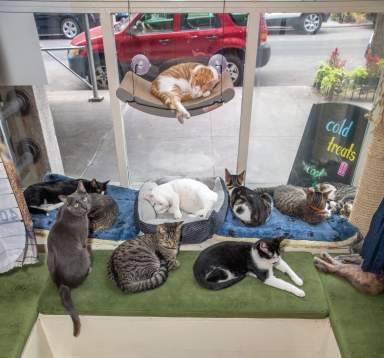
(189, 195)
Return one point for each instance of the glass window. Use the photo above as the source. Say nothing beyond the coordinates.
(239, 18)
(149, 23)
(199, 21)
(323, 74)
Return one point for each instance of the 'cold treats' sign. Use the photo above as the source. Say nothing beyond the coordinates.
(330, 146)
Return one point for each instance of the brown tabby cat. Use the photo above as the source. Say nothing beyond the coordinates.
(306, 204)
(184, 82)
(341, 197)
(350, 269)
(234, 180)
(104, 211)
(143, 263)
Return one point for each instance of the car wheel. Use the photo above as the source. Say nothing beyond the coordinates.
(310, 23)
(235, 68)
(70, 28)
(101, 77)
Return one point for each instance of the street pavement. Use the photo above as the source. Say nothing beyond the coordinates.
(206, 144)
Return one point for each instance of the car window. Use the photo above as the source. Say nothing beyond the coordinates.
(199, 21)
(239, 18)
(150, 23)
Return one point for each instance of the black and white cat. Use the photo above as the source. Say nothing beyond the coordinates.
(251, 208)
(226, 263)
(39, 195)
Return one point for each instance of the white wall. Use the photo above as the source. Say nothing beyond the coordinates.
(20, 59)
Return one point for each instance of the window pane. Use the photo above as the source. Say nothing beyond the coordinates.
(198, 21)
(315, 59)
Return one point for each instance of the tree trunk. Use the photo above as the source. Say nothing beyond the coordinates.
(371, 185)
(378, 36)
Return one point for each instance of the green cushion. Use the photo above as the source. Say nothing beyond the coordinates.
(19, 294)
(181, 296)
(357, 319)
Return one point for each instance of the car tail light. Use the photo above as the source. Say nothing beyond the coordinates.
(263, 31)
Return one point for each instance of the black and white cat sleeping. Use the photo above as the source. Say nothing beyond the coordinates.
(226, 263)
(39, 194)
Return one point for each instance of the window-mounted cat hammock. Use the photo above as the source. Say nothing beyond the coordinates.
(136, 91)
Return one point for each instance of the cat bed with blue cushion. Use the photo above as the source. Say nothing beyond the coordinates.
(334, 232)
(334, 229)
(195, 229)
(124, 227)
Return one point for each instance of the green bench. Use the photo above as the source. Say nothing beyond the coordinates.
(356, 319)
(20, 291)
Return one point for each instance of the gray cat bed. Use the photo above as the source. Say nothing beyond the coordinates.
(195, 229)
(136, 91)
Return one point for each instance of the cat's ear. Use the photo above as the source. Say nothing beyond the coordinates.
(309, 190)
(80, 187)
(160, 229)
(242, 177)
(63, 198)
(227, 176)
(106, 182)
(264, 247)
(179, 224)
(94, 183)
(149, 197)
(278, 240)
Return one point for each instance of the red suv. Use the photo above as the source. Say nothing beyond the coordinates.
(167, 39)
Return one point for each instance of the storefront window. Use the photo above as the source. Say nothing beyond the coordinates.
(316, 59)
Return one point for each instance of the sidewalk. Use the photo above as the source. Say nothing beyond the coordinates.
(203, 146)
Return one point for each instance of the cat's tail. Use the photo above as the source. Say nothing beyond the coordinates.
(216, 279)
(66, 299)
(157, 279)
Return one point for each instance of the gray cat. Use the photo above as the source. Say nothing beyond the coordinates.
(143, 263)
(341, 197)
(68, 256)
(307, 204)
(104, 212)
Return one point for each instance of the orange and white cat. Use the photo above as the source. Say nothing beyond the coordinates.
(184, 82)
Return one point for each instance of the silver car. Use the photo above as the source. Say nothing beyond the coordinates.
(308, 23)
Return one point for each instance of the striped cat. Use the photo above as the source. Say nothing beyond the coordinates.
(341, 198)
(104, 211)
(143, 263)
(307, 204)
(184, 82)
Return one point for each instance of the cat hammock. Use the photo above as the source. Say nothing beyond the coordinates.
(136, 91)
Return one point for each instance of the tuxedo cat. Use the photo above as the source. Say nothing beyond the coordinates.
(226, 263)
(251, 208)
(68, 256)
(48, 193)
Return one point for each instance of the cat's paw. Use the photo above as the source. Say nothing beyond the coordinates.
(298, 281)
(206, 93)
(178, 216)
(173, 265)
(299, 293)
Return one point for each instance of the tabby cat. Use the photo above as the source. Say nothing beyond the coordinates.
(341, 198)
(350, 269)
(143, 263)
(307, 204)
(226, 263)
(68, 256)
(251, 208)
(234, 180)
(184, 82)
(104, 212)
(49, 192)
